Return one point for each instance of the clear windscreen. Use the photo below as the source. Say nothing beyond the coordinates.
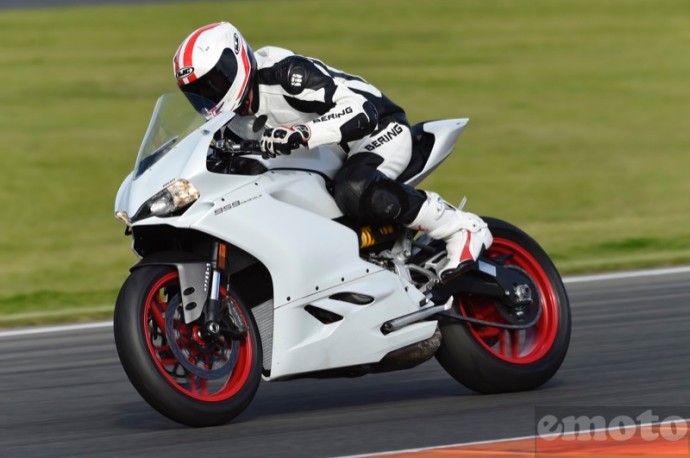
(174, 117)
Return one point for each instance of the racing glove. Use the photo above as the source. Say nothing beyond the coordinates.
(282, 140)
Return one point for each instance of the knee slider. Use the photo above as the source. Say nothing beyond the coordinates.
(366, 194)
(349, 185)
(382, 203)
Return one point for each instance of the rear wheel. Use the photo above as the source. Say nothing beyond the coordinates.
(183, 373)
(489, 359)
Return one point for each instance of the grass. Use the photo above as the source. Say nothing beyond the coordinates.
(578, 130)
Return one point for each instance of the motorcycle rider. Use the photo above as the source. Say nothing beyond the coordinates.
(307, 103)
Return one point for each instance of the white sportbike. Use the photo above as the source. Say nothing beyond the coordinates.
(249, 270)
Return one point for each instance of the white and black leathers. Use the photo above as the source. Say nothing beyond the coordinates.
(338, 108)
(343, 110)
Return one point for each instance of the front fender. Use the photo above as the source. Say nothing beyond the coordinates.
(195, 278)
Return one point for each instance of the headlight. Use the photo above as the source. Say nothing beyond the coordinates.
(123, 217)
(179, 195)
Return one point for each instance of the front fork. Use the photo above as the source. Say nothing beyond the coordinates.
(213, 305)
(214, 324)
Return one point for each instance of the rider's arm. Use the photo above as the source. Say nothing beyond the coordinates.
(342, 114)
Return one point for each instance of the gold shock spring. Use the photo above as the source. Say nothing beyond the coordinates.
(371, 236)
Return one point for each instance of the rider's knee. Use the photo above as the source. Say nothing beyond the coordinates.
(368, 195)
(349, 186)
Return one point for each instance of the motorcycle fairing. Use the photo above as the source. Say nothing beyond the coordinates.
(444, 134)
(284, 218)
(311, 257)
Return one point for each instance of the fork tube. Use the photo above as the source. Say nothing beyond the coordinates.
(215, 285)
(213, 309)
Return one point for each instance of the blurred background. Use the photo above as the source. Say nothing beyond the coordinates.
(578, 122)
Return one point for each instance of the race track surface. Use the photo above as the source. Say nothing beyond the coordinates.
(65, 394)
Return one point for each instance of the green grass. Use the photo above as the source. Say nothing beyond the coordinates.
(578, 133)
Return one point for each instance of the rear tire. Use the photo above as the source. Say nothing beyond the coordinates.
(145, 301)
(490, 360)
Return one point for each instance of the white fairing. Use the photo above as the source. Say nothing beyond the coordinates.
(284, 218)
(446, 133)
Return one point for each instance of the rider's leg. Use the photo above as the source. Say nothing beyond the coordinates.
(466, 235)
(365, 189)
(366, 194)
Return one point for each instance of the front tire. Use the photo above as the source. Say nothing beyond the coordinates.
(492, 360)
(142, 315)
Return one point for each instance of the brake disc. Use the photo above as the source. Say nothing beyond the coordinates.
(208, 358)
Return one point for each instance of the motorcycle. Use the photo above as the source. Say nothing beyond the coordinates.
(248, 270)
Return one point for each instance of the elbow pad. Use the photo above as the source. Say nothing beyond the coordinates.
(361, 125)
(373, 115)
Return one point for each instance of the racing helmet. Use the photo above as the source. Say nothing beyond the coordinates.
(217, 64)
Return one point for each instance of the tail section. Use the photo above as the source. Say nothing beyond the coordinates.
(432, 143)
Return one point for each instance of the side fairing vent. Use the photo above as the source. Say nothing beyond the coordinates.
(328, 317)
(322, 315)
(353, 298)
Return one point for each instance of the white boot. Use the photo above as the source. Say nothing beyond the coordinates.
(466, 235)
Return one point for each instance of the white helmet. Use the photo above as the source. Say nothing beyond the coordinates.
(216, 63)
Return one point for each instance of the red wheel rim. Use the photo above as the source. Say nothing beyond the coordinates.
(515, 346)
(153, 322)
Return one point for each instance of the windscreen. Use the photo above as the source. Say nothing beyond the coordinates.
(173, 119)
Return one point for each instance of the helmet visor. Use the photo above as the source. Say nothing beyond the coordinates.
(214, 85)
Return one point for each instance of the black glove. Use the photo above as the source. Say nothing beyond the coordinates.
(282, 140)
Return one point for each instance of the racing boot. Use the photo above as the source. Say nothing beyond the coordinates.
(466, 235)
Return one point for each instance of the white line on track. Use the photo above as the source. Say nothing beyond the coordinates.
(572, 279)
(439, 447)
(573, 434)
(49, 329)
(630, 274)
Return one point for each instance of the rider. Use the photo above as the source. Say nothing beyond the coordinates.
(305, 102)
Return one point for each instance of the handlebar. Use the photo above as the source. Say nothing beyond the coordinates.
(243, 148)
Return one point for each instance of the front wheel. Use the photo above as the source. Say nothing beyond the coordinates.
(181, 372)
(493, 360)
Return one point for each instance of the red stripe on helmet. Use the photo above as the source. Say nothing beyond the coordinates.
(176, 61)
(247, 70)
(183, 56)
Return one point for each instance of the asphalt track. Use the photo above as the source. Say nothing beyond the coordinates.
(64, 393)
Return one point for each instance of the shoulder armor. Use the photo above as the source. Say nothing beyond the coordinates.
(295, 74)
